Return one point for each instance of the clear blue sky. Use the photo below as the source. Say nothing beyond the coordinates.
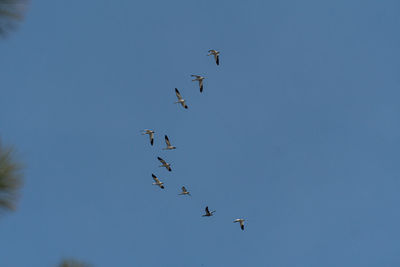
(297, 131)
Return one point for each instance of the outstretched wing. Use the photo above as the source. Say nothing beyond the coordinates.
(155, 178)
(178, 95)
(242, 225)
(216, 59)
(151, 138)
(167, 141)
(161, 160)
(201, 85)
(184, 189)
(207, 211)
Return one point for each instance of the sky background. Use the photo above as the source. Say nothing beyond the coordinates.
(297, 131)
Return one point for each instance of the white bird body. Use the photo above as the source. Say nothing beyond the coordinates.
(164, 164)
(200, 79)
(184, 191)
(157, 181)
(180, 99)
(241, 221)
(169, 146)
(151, 135)
(208, 213)
(215, 53)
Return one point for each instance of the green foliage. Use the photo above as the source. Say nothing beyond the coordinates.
(73, 263)
(10, 179)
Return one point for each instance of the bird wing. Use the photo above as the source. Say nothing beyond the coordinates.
(184, 189)
(242, 225)
(178, 95)
(201, 85)
(151, 138)
(167, 141)
(207, 211)
(155, 178)
(161, 160)
(216, 59)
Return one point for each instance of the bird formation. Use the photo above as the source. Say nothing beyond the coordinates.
(169, 146)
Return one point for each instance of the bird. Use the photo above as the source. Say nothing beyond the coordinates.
(157, 181)
(216, 55)
(169, 146)
(180, 99)
(200, 79)
(151, 135)
(208, 213)
(241, 221)
(184, 191)
(164, 164)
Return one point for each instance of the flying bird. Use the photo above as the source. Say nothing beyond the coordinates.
(151, 135)
(157, 182)
(200, 79)
(184, 191)
(215, 53)
(241, 221)
(164, 164)
(208, 213)
(180, 99)
(169, 146)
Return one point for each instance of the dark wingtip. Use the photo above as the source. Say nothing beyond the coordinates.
(242, 227)
(162, 187)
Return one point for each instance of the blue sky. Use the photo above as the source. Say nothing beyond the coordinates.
(297, 131)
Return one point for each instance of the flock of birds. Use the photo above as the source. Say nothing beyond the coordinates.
(181, 101)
